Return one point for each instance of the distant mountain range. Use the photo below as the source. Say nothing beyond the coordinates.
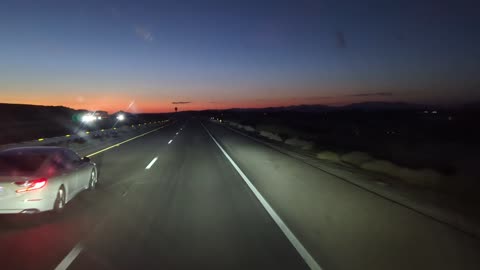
(22, 111)
(364, 106)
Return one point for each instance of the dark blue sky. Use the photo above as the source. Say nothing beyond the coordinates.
(237, 53)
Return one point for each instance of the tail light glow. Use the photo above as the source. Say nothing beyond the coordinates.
(31, 185)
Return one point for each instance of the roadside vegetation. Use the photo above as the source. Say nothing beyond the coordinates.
(416, 146)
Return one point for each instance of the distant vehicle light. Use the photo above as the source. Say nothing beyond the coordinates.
(120, 117)
(31, 185)
(87, 118)
(99, 118)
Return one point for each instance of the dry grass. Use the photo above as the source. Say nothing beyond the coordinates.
(423, 177)
(270, 135)
(329, 155)
(247, 128)
(356, 158)
(306, 145)
(239, 126)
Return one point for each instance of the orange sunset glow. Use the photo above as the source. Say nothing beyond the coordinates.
(114, 103)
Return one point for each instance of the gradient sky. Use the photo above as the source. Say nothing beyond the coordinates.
(147, 55)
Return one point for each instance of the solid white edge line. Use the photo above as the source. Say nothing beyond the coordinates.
(309, 260)
(169, 142)
(151, 163)
(71, 256)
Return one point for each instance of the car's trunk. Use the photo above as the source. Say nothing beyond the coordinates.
(8, 187)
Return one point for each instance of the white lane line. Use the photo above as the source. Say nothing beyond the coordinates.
(151, 163)
(120, 143)
(169, 142)
(65, 263)
(176, 133)
(77, 249)
(288, 233)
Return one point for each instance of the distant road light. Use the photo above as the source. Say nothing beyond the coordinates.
(120, 117)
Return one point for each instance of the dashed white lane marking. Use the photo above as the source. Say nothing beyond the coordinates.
(65, 263)
(309, 260)
(169, 142)
(151, 163)
(77, 249)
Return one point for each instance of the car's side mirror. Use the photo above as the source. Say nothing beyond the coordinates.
(86, 159)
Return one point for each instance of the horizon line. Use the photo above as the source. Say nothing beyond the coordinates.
(251, 108)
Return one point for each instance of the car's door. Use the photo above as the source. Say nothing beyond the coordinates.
(82, 169)
(65, 173)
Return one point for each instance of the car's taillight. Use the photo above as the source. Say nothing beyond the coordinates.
(31, 184)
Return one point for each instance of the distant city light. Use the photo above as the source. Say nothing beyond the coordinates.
(120, 117)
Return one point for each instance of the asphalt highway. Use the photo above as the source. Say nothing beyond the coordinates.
(197, 195)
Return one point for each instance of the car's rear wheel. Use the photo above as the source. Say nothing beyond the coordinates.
(59, 204)
(93, 180)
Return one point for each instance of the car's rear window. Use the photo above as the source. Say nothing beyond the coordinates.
(26, 163)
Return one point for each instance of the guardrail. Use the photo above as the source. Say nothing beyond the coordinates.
(87, 138)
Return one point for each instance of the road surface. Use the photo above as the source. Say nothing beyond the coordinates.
(173, 200)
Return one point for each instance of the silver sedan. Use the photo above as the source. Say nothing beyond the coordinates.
(38, 179)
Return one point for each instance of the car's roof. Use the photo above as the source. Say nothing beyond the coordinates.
(34, 149)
